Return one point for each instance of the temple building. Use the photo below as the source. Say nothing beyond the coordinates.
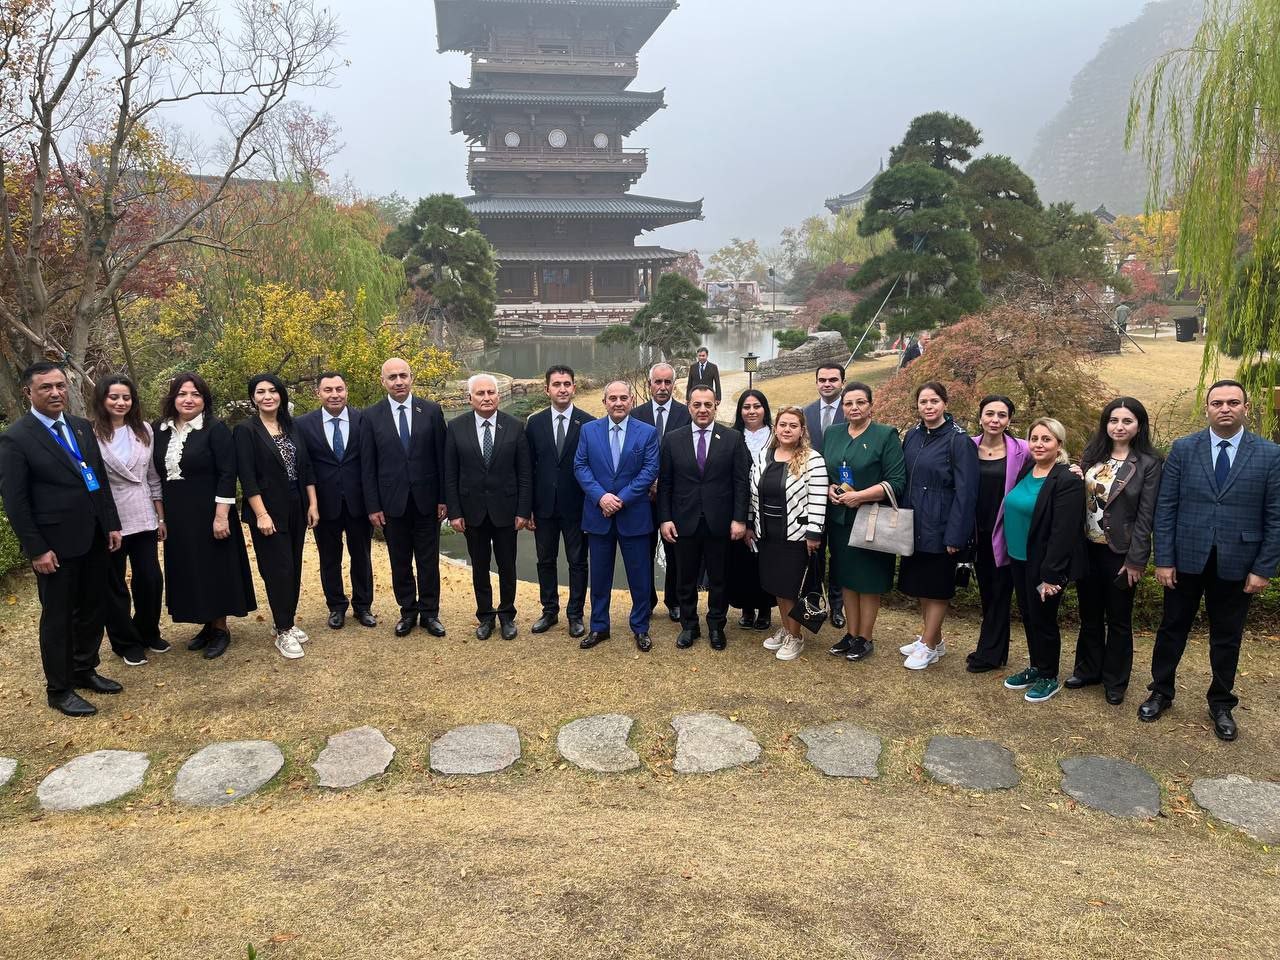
(546, 114)
(853, 201)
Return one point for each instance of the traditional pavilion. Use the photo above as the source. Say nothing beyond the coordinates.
(545, 115)
(855, 200)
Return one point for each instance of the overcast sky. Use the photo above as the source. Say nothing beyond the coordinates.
(772, 105)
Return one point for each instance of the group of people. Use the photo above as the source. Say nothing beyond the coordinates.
(748, 511)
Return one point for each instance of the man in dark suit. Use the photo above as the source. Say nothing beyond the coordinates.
(702, 505)
(703, 373)
(616, 463)
(59, 504)
(557, 501)
(489, 496)
(664, 413)
(402, 472)
(332, 438)
(1217, 536)
(819, 415)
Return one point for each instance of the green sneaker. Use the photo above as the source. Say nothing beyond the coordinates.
(1042, 690)
(1020, 681)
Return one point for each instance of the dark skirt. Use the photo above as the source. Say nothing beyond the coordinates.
(928, 576)
(782, 561)
(204, 578)
(742, 579)
(862, 571)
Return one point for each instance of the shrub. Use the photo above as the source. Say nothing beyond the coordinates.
(790, 339)
(11, 557)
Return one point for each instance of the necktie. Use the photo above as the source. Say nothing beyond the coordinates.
(702, 450)
(617, 447)
(487, 447)
(826, 418)
(62, 433)
(404, 429)
(702, 371)
(662, 421)
(1223, 465)
(339, 448)
(559, 434)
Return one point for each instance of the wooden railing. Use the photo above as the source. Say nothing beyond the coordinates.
(620, 66)
(633, 163)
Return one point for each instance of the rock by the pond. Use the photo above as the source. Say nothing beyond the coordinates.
(224, 772)
(92, 779)
(476, 748)
(970, 763)
(842, 750)
(8, 767)
(706, 742)
(352, 757)
(599, 743)
(1113, 786)
(1251, 805)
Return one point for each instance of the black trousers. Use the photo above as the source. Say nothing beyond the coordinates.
(696, 552)
(1227, 606)
(413, 542)
(1039, 620)
(280, 564)
(995, 588)
(359, 534)
(133, 615)
(1104, 649)
(547, 534)
(72, 612)
(835, 596)
(670, 593)
(486, 541)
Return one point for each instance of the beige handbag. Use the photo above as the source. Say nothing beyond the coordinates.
(884, 527)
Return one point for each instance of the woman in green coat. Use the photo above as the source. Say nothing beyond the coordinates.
(860, 454)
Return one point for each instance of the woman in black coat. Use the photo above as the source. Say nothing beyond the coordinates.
(280, 492)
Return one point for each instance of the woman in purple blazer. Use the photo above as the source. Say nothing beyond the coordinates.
(1001, 457)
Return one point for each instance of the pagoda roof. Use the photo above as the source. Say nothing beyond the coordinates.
(624, 207)
(586, 254)
(470, 106)
(857, 197)
(460, 24)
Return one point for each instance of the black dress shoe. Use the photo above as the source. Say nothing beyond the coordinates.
(72, 704)
(837, 619)
(1224, 725)
(336, 619)
(433, 626)
(576, 628)
(219, 640)
(545, 623)
(366, 618)
(686, 638)
(1153, 706)
(201, 639)
(405, 625)
(1115, 697)
(1075, 682)
(978, 666)
(860, 649)
(674, 614)
(763, 620)
(97, 683)
(748, 620)
(841, 646)
(716, 637)
(594, 637)
(508, 629)
(484, 630)
(643, 643)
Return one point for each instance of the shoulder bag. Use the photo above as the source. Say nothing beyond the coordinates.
(884, 527)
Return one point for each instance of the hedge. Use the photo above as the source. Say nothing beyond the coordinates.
(11, 557)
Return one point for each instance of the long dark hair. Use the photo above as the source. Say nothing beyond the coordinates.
(169, 411)
(764, 402)
(102, 417)
(1099, 446)
(282, 415)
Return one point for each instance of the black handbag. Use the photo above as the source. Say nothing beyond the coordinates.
(810, 610)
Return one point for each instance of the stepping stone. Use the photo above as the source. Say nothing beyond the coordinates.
(706, 743)
(352, 757)
(842, 750)
(971, 763)
(92, 779)
(476, 748)
(599, 743)
(1113, 786)
(8, 767)
(1251, 805)
(222, 773)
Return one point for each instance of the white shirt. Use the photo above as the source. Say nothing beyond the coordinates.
(344, 426)
(757, 440)
(555, 419)
(1232, 450)
(395, 411)
(492, 421)
(121, 444)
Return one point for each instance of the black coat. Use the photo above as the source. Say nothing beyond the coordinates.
(677, 417)
(389, 474)
(555, 489)
(45, 496)
(262, 472)
(709, 379)
(942, 485)
(1055, 548)
(719, 493)
(337, 482)
(499, 491)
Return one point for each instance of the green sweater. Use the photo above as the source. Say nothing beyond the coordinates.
(873, 457)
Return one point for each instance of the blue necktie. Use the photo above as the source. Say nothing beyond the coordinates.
(617, 447)
(1222, 466)
(339, 448)
(404, 429)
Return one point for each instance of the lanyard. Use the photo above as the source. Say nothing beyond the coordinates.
(69, 445)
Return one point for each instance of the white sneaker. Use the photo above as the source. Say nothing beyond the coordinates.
(909, 648)
(921, 657)
(289, 648)
(774, 642)
(296, 632)
(791, 648)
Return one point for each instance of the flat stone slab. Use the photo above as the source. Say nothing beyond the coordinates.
(706, 742)
(352, 757)
(971, 763)
(475, 749)
(1113, 786)
(8, 767)
(1251, 805)
(842, 750)
(92, 779)
(599, 743)
(224, 772)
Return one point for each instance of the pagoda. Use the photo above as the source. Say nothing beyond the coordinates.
(545, 114)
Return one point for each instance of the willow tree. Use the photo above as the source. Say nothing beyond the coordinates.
(1207, 119)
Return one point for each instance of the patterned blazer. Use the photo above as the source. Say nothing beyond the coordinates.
(806, 497)
(135, 484)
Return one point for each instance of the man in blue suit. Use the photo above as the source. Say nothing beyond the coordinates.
(616, 462)
(1217, 535)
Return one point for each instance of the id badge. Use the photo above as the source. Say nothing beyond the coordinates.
(90, 478)
(845, 474)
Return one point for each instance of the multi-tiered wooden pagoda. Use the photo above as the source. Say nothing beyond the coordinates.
(546, 114)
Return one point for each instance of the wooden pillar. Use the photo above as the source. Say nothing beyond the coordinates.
(591, 281)
(537, 272)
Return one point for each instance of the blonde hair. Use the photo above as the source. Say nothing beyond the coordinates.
(1059, 432)
(800, 458)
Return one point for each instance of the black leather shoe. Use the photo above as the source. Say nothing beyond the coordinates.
(218, 643)
(594, 637)
(576, 629)
(748, 620)
(1075, 682)
(1115, 697)
(545, 623)
(977, 666)
(405, 625)
(837, 619)
(1224, 725)
(860, 649)
(200, 640)
(841, 646)
(366, 618)
(763, 621)
(687, 638)
(1153, 706)
(674, 614)
(336, 619)
(484, 630)
(643, 643)
(508, 629)
(716, 637)
(72, 704)
(97, 683)
(433, 626)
